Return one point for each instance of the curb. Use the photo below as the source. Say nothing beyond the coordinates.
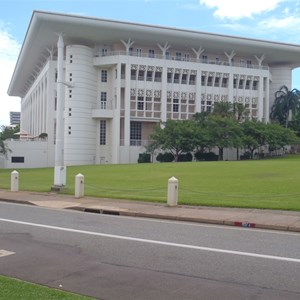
(120, 212)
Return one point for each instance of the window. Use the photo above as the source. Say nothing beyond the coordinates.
(169, 77)
(255, 84)
(103, 100)
(133, 74)
(151, 53)
(102, 132)
(135, 133)
(17, 159)
(192, 80)
(141, 75)
(103, 75)
(157, 77)
(224, 82)
(149, 75)
(217, 81)
(176, 78)
(71, 59)
(175, 105)
(138, 52)
(167, 55)
(104, 52)
(184, 79)
(204, 59)
(178, 55)
(209, 81)
(186, 57)
(140, 104)
(130, 51)
(217, 60)
(234, 83)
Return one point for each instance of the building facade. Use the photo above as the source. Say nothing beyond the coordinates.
(121, 79)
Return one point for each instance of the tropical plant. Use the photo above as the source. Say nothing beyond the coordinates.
(286, 103)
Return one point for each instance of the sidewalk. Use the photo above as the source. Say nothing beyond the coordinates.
(252, 218)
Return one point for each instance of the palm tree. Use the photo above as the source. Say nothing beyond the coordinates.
(286, 103)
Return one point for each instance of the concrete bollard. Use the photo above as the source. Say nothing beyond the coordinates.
(172, 191)
(14, 181)
(79, 186)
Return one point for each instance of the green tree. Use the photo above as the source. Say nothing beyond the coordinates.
(286, 103)
(278, 137)
(254, 135)
(223, 109)
(4, 150)
(224, 133)
(175, 136)
(8, 132)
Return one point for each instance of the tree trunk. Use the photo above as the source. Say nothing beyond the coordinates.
(221, 151)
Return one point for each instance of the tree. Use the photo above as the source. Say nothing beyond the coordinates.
(286, 102)
(254, 135)
(175, 136)
(4, 150)
(224, 133)
(223, 109)
(278, 137)
(8, 132)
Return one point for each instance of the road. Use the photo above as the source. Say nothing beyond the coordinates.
(114, 257)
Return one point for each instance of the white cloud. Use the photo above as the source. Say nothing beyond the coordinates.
(233, 9)
(9, 49)
(290, 23)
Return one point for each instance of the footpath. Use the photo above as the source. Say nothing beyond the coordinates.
(243, 217)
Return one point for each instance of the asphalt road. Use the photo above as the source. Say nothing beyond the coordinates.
(113, 257)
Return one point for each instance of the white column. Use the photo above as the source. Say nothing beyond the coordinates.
(260, 103)
(127, 107)
(59, 169)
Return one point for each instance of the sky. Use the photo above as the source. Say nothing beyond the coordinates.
(275, 20)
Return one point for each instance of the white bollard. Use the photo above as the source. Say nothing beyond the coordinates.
(172, 191)
(14, 181)
(79, 186)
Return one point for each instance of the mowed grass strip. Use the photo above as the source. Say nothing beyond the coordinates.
(270, 183)
(16, 289)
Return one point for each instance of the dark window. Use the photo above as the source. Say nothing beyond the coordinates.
(17, 159)
(102, 132)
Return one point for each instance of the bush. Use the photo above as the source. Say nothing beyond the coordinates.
(185, 157)
(165, 157)
(246, 156)
(144, 158)
(207, 156)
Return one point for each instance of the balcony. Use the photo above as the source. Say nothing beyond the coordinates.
(104, 109)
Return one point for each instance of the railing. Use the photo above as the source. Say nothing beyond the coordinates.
(191, 59)
(136, 143)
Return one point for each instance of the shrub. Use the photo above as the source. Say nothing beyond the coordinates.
(144, 158)
(207, 156)
(165, 157)
(185, 157)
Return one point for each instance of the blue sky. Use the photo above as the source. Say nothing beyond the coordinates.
(277, 20)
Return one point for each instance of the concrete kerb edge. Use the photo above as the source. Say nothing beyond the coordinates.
(165, 217)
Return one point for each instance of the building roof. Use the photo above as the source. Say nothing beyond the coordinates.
(44, 27)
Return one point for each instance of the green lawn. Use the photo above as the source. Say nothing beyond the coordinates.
(270, 183)
(17, 289)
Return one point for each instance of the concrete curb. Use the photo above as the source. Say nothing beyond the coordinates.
(117, 211)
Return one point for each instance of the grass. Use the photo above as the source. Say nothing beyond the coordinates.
(16, 289)
(270, 183)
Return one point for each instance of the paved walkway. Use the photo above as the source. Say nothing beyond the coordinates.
(266, 219)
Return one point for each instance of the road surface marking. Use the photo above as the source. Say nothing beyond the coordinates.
(5, 253)
(186, 246)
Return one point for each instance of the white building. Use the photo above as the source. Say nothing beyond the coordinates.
(119, 79)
